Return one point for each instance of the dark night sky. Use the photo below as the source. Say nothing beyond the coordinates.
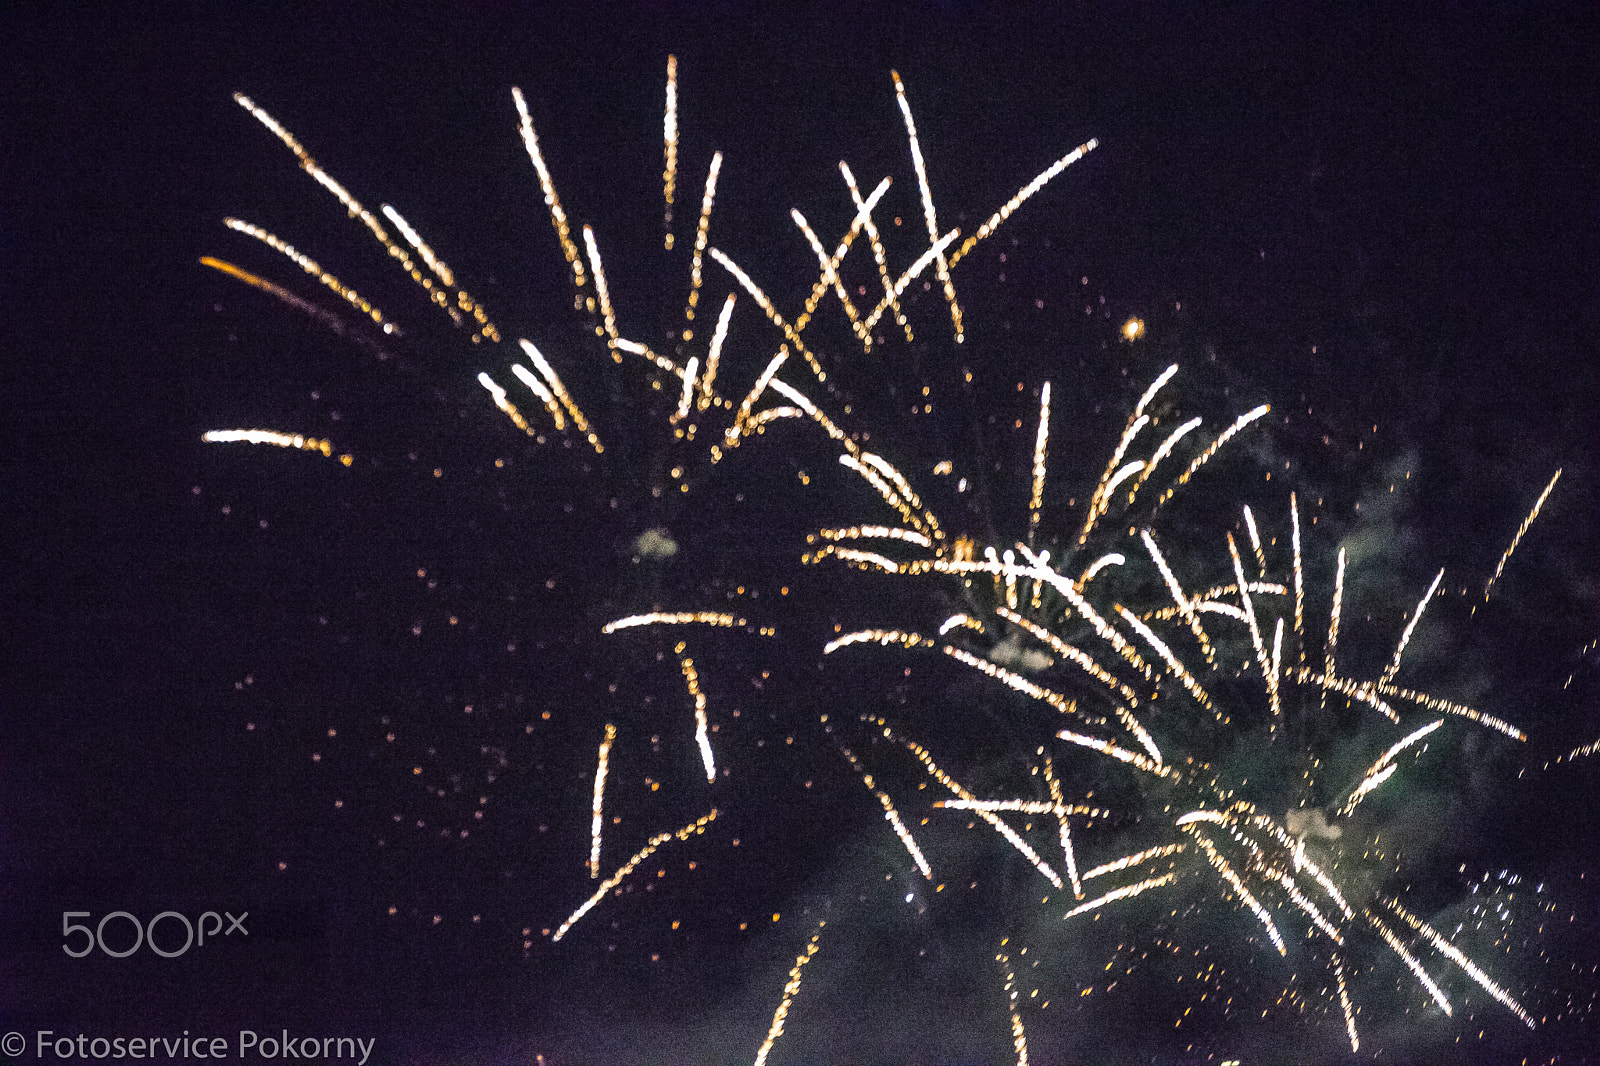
(1390, 219)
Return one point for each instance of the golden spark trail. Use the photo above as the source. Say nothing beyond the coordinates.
(696, 826)
(928, 523)
(1096, 671)
(1039, 446)
(1526, 522)
(910, 275)
(1172, 661)
(707, 396)
(1108, 559)
(601, 764)
(1299, 581)
(607, 314)
(1201, 459)
(1037, 569)
(1023, 806)
(1255, 542)
(1063, 828)
(1405, 637)
(558, 217)
(1368, 782)
(1136, 859)
(1368, 693)
(1100, 501)
(733, 432)
(661, 618)
(484, 328)
(669, 132)
(891, 815)
(269, 436)
(310, 266)
(773, 316)
(1006, 209)
(326, 318)
(1161, 453)
(1107, 748)
(504, 404)
(943, 271)
(701, 233)
(1410, 960)
(1016, 681)
(789, 991)
(878, 636)
(420, 246)
(538, 388)
(1124, 892)
(1244, 894)
(863, 212)
(955, 787)
(689, 374)
(1344, 1002)
(1333, 629)
(1451, 952)
(702, 736)
(1019, 1039)
(1434, 703)
(560, 390)
(1185, 607)
(961, 621)
(877, 532)
(830, 276)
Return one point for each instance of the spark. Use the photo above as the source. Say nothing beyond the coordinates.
(1451, 952)
(500, 401)
(1184, 605)
(1299, 580)
(766, 305)
(943, 271)
(878, 636)
(1333, 626)
(1125, 892)
(1344, 1002)
(889, 294)
(789, 991)
(1063, 827)
(1039, 447)
(891, 815)
(310, 266)
(669, 124)
(1201, 459)
(1383, 768)
(690, 370)
(1405, 637)
(679, 618)
(413, 238)
(701, 235)
(558, 217)
(1523, 528)
(543, 366)
(1136, 859)
(694, 827)
(702, 737)
(1244, 894)
(1410, 960)
(270, 436)
(1161, 452)
(715, 354)
(1255, 541)
(1019, 1039)
(1006, 209)
(601, 764)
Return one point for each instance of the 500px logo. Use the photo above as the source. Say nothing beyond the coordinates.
(146, 933)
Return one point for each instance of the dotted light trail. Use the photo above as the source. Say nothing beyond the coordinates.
(599, 798)
(269, 436)
(1523, 528)
(790, 989)
(679, 618)
(696, 826)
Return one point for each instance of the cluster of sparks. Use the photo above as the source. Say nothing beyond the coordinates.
(1108, 667)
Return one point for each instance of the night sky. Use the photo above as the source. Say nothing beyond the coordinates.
(363, 701)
